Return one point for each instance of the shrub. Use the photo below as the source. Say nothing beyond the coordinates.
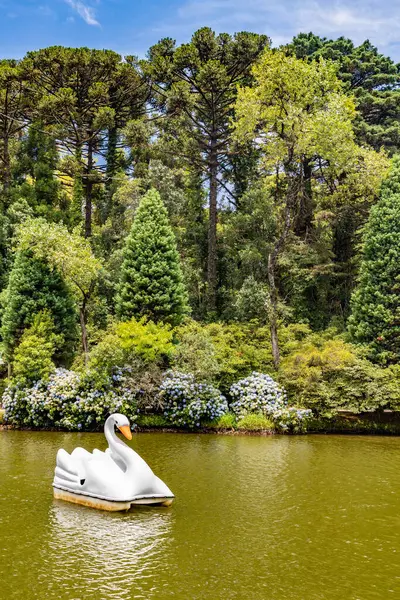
(195, 352)
(152, 421)
(255, 422)
(187, 403)
(33, 358)
(258, 394)
(328, 374)
(130, 343)
(292, 419)
(225, 421)
(66, 401)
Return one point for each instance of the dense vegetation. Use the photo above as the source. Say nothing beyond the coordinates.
(210, 234)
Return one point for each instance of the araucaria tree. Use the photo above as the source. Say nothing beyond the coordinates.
(195, 85)
(375, 318)
(151, 280)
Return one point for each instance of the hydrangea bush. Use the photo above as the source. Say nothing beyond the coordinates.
(260, 394)
(189, 404)
(292, 419)
(257, 393)
(66, 400)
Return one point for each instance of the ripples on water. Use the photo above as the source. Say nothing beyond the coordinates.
(281, 518)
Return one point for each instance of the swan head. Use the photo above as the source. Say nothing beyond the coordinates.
(122, 423)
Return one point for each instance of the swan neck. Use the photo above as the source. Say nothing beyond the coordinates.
(116, 445)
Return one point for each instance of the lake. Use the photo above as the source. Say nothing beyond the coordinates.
(258, 518)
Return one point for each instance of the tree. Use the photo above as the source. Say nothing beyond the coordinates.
(34, 174)
(298, 114)
(375, 318)
(68, 254)
(151, 277)
(84, 96)
(367, 74)
(14, 105)
(195, 86)
(33, 287)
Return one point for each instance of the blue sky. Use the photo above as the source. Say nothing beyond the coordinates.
(131, 26)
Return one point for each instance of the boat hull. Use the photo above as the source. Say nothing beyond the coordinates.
(110, 505)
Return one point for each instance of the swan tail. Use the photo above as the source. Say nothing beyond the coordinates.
(68, 470)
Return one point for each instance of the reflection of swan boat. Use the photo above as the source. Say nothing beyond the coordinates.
(117, 556)
(112, 480)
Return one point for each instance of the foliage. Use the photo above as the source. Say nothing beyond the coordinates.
(375, 304)
(151, 277)
(372, 77)
(255, 422)
(187, 403)
(222, 353)
(195, 85)
(33, 287)
(33, 357)
(64, 400)
(326, 374)
(128, 342)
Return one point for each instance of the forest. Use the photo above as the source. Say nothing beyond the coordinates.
(207, 235)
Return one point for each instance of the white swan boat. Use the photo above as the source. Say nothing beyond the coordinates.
(112, 480)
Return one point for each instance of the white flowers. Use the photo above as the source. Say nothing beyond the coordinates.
(188, 403)
(259, 393)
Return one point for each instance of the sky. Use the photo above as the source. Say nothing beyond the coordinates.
(132, 26)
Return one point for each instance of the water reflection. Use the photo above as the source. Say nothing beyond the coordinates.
(113, 553)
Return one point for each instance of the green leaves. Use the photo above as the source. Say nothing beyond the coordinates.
(375, 318)
(151, 281)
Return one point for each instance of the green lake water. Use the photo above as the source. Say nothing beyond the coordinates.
(257, 518)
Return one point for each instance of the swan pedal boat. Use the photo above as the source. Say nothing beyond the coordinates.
(114, 480)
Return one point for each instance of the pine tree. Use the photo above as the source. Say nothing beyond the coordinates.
(375, 318)
(151, 281)
(33, 287)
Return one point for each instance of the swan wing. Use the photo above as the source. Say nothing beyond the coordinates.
(69, 471)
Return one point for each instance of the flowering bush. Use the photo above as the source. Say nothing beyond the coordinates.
(66, 400)
(189, 403)
(292, 419)
(260, 394)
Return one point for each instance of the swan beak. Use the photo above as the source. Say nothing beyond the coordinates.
(126, 431)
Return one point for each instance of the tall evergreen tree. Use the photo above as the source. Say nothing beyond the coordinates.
(33, 287)
(151, 282)
(195, 85)
(375, 317)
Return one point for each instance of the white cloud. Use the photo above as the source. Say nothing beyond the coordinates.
(282, 19)
(86, 12)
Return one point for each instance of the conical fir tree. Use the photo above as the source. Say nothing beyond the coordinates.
(32, 288)
(375, 318)
(151, 280)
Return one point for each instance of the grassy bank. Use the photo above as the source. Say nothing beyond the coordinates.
(363, 424)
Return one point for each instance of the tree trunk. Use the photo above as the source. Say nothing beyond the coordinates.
(111, 167)
(304, 221)
(88, 192)
(212, 232)
(273, 293)
(273, 316)
(84, 337)
(6, 174)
